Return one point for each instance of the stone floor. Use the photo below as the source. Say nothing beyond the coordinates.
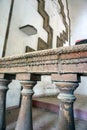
(52, 104)
(45, 114)
(45, 120)
(81, 101)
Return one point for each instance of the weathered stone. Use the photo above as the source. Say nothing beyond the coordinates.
(65, 77)
(66, 97)
(3, 89)
(48, 61)
(25, 116)
(28, 76)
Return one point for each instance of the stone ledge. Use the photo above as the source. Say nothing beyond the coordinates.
(52, 104)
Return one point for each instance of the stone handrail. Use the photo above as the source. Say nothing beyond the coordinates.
(64, 64)
(47, 61)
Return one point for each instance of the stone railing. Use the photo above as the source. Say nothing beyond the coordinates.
(65, 65)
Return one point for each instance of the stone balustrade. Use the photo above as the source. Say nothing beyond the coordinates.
(65, 65)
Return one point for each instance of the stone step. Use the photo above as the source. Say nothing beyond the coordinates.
(46, 120)
(52, 104)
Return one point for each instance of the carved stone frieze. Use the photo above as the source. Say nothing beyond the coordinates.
(47, 61)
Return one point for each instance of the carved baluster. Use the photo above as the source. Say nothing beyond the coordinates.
(25, 116)
(3, 89)
(66, 98)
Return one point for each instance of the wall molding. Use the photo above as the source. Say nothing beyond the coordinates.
(69, 21)
(8, 27)
(29, 49)
(64, 36)
(42, 45)
(46, 26)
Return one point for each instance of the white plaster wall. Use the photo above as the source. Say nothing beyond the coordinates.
(82, 89)
(33, 3)
(45, 87)
(4, 13)
(24, 13)
(52, 7)
(78, 15)
(13, 94)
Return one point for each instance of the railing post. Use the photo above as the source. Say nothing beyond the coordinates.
(25, 116)
(3, 89)
(66, 98)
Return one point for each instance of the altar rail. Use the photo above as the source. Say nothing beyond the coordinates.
(65, 65)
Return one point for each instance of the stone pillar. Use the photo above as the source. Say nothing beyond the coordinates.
(3, 89)
(25, 116)
(66, 98)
